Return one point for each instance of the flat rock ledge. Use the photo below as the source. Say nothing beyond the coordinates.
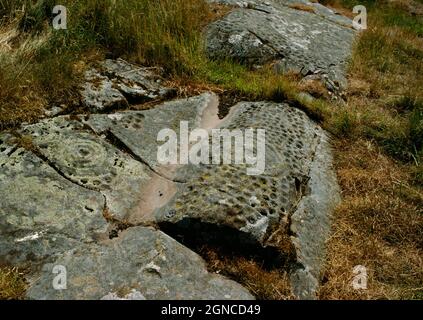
(85, 193)
(140, 264)
(296, 36)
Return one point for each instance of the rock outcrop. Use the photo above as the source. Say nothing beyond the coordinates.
(298, 36)
(116, 83)
(88, 192)
(140, 263)
(87, 178)
(287, 207)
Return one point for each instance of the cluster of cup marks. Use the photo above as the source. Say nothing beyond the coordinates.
(273, 194)
(85, 160)
(129, 121)
(311, 61)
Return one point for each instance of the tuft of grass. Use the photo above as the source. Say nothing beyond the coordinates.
(403, 137)
(12, 284)
(344, 124)
(302, 7)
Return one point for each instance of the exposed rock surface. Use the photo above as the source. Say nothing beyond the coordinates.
(99, 93)
(60, 203)
(141, 263)
(135, 82)
(286, 207)
(87, 171)
(129, 126)
(116, 83)
(306, 39)
(42, 213)
(91, 162)
(83, 195)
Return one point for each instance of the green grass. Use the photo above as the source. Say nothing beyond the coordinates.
(169, 33)
(260, 84)
(155, 32)
(165, 33)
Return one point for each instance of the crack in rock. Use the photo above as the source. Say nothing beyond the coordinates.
(105, 168)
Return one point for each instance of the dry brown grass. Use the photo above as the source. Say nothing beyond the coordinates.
(379, 225)
(20, 101)
(12, 284)
(390, 59)
(219, 11)
(380, 222)
(410, 6)
(264, 284)
(337, 6)
(314, 87)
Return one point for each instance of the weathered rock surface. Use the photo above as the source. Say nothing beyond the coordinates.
(42, 213)
(141, 263)
(258, 32)
(99, 93)
(116, 83)
(138, 130)
(135, 82)
(56, 205)
(288, 206)
(87, 167)
(91, 162)
(311, 221)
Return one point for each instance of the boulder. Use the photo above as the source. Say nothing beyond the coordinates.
(287, 207)
(297, 36)
(140, 264)
(116, 83)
